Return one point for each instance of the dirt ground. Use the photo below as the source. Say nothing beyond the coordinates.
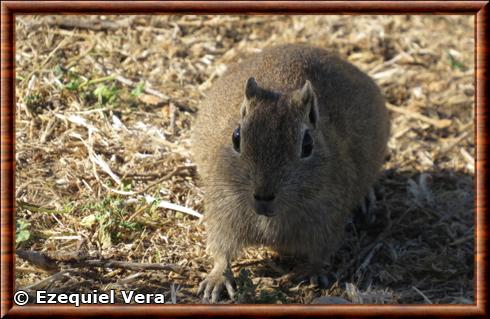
(105, 105)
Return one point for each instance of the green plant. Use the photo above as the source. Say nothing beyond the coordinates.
(106, 94)
(139, 88)
(455, 63)
(73, 84)
(22, 232)
(109, 218)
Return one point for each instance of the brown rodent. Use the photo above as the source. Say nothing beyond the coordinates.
(287, 143)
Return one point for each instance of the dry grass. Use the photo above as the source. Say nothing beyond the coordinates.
(104, 111)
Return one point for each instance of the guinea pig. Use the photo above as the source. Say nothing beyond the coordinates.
(287, 143)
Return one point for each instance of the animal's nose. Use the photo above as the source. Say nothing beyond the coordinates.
(264, 204)
(264, 197)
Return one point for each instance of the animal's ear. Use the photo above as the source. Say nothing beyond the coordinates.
(251, 92)
(308, 101)
(251, 88)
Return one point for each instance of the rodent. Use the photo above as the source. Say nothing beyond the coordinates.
(287, 143)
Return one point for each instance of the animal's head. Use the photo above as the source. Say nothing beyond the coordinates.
(278, 147)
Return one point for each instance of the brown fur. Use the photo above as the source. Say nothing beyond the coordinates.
(314, 196)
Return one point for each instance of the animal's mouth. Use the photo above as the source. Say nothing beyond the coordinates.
(265, 208)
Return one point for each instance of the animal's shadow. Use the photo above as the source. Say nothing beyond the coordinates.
(415, 245)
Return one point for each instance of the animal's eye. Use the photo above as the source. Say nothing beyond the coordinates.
(307, 146)
(236, 139)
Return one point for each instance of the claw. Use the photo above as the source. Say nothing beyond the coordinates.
(207, 291)
(315, 278)
(216, 291)
(368, 206)
(213, 285)
(202, 285)
(230, 289)
(365, 214)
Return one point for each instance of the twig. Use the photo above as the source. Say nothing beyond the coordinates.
(74, 237)
(97, 80)
(455, 142)
(116, 191)
(38, 259)
(90, 24)
(50, 263)
(461, 240)
(435, 122)
(98, 161)
(167, 176)
(378, 67)
(173, 112)
(77, 58)
(129, 265)
(128, 279)
(164, 98)
(179, 208)
(137, 212)
(43, 283)
(422, 294)
(48, 130)
(469, 158)
(368, 258)
(36, 208)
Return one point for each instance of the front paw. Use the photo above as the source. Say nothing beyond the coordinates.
(316, 278)
(319, 279)
(214, 283)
